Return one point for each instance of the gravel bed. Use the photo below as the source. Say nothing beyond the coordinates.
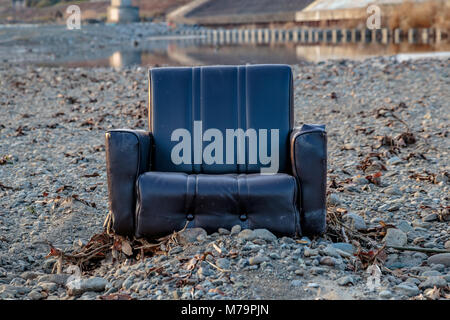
(382, 116)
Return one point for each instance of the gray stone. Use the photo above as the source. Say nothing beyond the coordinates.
(80, 286)
(257, 260)
(204, 272)
(296, 283)
(328, 261)
(48, 286)
(274, 255)
(431, 273)
(190, 235)
(347, 247)
(35, 295)
(385, 294)
(393, 191)
(405, 226)
(330, 251)
(394, 160)
(310, 252)
(432, 282)
(334, 199)
(30, 275)
(55, 278)
(223, 263)
(430, 217)
(355, 221)
(264, 234)
(246, 234)
(360, 180)
(441, 258)
(236, 229)
(345, 280)
(438, 267)
(407, 289)
(223, 231)
(299, 272)
(395, 237)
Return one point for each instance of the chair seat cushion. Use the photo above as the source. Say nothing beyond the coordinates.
(166, 201)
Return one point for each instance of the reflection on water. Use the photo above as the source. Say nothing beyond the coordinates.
(191, 52)
(120, 59)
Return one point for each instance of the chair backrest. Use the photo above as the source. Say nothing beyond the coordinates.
(195, 99)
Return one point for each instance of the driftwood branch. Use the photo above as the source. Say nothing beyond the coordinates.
(425, 250)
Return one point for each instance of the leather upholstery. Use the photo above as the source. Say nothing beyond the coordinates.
(222, 97)
(150, 196)
(309, 166)
(168, 200)
(127, 156)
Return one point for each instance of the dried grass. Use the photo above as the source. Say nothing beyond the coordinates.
(429, 14)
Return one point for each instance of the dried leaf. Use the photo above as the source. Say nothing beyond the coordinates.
(126, 248)
(432, 293)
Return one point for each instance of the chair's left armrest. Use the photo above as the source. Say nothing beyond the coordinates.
(309, 166)
(128, 155)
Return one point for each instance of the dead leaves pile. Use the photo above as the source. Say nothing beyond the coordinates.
(110, 247)
(368, 251)
(434, 294)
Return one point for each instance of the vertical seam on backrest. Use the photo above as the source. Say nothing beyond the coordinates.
(246, 121)
(192, 113)
(201, 117)
(238, 97)
(150, 109)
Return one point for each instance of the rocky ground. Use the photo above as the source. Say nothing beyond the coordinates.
(388, 172)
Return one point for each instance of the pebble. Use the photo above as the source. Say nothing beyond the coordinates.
(328, 261)
(355, 221)
(235, 230)
(334, 199)
(385, 294)
(223, 263)
(432, 282)
(80, 286)
(247, 234)
(405, 226)
(190, 235)
(407, 289)
(35, 295)
(430, 217)
(296, 283)
(257, 260)
(55, 278)
(345, 280)
(310, 252)
(264, 234)
(440, 258)
(394, 161)
(223, 231)
(395, 237)
(347, 247)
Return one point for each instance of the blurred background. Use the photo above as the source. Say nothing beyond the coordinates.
(121, 33)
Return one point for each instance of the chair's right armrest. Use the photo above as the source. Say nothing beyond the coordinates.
(128, 155)
(309, 166)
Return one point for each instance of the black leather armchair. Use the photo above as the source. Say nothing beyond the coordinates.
(151, 194)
